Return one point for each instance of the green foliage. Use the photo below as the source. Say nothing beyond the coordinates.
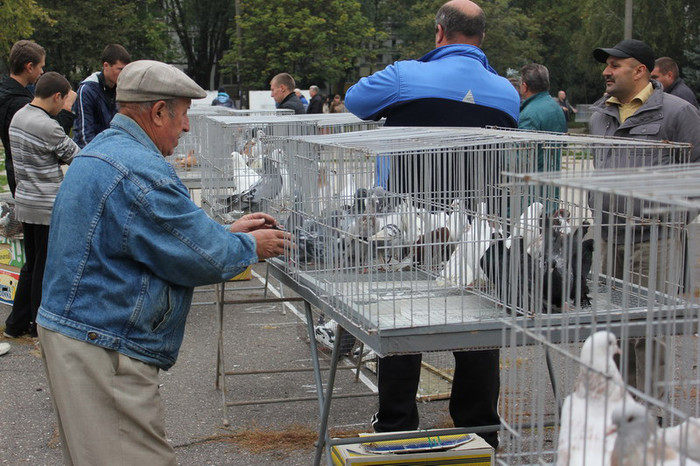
(83, 28)
(18, 19)
(315, 42)
(201, 27)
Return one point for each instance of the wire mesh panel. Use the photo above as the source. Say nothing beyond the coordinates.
(618, 254)
(392, 225)
(239, 173)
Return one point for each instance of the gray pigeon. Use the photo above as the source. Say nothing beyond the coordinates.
(640, 442)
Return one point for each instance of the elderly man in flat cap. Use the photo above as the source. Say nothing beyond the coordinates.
(635, 106)
(126, 248)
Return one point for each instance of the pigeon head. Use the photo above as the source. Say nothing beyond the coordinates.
(598, 350)
(634, 426)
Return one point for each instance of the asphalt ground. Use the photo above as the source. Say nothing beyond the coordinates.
(256, 337)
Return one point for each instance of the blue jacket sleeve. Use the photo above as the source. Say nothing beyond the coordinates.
(372, 94)
(178, 242)
(84, 109)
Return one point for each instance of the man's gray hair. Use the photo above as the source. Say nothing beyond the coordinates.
(314, 88)
(454, 21)
(536, 77)
(144, 107)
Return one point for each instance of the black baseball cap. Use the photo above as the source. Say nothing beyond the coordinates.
(628, 48)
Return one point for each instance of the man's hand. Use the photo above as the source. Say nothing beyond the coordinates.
(271, 242)
(252, 222)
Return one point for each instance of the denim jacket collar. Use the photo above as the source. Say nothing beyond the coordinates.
(129, 126)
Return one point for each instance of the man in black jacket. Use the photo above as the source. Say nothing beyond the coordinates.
(282, 90)
(667, 73)
(27, 60)
(316, 102)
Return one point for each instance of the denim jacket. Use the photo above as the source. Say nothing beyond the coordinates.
(127, 246)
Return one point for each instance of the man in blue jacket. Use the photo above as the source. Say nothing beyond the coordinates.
(96, 106)
(451, 86)
(126, 248)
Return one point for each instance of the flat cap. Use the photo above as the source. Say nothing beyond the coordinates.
(628, 48)
(148, 80)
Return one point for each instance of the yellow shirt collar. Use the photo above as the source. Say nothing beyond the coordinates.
(629, 109)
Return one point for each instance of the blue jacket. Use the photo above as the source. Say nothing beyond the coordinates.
(457, 72)
(127, 246)
(94, 107)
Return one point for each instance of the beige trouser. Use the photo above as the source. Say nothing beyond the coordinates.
(108, 405)
(667, 265)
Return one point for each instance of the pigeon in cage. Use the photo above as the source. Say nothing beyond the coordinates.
(550, 269)
(567, 268)
(379, 201)
(685, 438)
(267, 187)
(640, 442)
(244, 176)
(390, 245)
(586, 415)
(464, 265)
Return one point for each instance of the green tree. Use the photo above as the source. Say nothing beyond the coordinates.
(316, 42)
(82, 28)
(201, 27)
(18, 19)
(511, 36)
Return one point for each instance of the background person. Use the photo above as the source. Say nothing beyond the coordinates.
(27, 60)
(282, 91)
(568, 109)
(223, 99)
(316, 102)
(666, 72)
(635, 106)
(453, 85)
(96, 105)
(39, 147)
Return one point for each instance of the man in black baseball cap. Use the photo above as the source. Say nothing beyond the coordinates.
(628, 48)
(635, 106)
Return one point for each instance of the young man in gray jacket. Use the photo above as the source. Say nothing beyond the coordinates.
(39, 147)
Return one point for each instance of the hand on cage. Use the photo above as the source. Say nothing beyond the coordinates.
(254, 221)
(272, 242)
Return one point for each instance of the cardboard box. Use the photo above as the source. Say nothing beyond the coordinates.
(11, 252)
(475, 452)
(9, 276)
(247, 274)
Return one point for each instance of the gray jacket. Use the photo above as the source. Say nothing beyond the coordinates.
(663, 117)
(680, 89)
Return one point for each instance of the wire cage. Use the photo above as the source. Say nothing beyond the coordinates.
(189, 149)
(392, 225)
(619, 254)
(238, 172)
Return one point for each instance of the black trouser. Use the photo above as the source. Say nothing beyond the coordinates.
(22, 319)
(474, 400)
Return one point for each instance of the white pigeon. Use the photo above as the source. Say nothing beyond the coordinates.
(528, 225)
(639, 441)
(458, 221)
(685, 438)
(586, 415)
(243, 176)
(463, 269)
